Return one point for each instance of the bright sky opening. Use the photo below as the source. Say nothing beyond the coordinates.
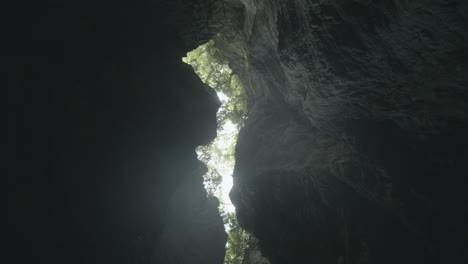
(214, 71)
(227, 136)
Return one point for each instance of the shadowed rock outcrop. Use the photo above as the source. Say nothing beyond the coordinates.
(355, 147)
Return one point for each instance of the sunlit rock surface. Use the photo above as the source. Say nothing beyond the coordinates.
(355, 146)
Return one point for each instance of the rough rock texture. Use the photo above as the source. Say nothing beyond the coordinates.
(103, 119)
(355, 146)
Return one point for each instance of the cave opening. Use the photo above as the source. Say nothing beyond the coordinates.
(212, 67)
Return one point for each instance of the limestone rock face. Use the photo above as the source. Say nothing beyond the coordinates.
(355, 146)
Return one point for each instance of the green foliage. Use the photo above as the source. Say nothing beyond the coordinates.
(219, 152)
(238, 240)
(213, 69)
(212, 179)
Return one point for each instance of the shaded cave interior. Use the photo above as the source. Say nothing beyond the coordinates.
(353, 150)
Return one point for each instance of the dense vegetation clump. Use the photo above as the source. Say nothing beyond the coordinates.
(238, 240)
(213, 70)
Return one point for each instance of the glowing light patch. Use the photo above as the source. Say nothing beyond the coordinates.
(222, 97)
(212, 68)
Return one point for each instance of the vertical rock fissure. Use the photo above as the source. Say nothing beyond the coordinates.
(213, 69)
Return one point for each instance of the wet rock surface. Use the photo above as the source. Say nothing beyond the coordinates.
(355, 148)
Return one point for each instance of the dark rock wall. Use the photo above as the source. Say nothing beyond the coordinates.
(355, 146)
(103, 119)
(253, 254)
